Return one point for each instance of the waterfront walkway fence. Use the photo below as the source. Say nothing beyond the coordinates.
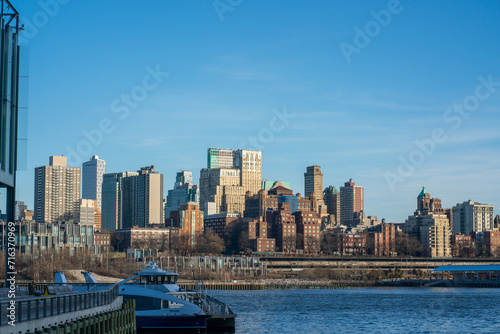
(28, 308)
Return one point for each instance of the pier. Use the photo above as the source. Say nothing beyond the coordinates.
(268, 284)
(65, 311)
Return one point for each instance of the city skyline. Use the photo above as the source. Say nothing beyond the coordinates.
(276, 78)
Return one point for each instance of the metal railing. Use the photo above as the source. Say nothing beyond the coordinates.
(29, 308)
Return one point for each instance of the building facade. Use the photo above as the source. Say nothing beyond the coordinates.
(308, 232)
(283, 228)
(184, 192)
(143, 198)
(33, 237)
(86, 212)
(92, 178)
(331, 197)
(57, 191)
(257, 205)
(189, 221)
(144, 238)
(20, 208)
(228, 176)
(491, 240)
(313, 182)
(382, 239)
(219, 221)
(222, 187)
(351, 202)
(472, 216)
(112, 200)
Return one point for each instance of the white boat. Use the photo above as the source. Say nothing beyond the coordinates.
(161, 305)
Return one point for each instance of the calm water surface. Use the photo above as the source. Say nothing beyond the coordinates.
(370, 310)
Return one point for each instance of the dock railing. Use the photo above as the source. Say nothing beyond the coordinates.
(27, 308)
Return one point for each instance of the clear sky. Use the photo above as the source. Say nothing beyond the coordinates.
(394, 95)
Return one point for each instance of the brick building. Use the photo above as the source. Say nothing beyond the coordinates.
(257, 205)
(189, 220)
(462, 245)
(491, 240)
(283, 228)
(308, 231)
(219, 221)
(353, 243)
(382, 240)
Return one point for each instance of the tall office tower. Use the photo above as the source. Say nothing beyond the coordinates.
(57, 191)
(220, 158)
(472, 216)
(331, 196)
(184, 192)
(222, 187)
(351, 202)
(142, 198)
(183, 178)
(112, 200)
(92, 172)
(250, 165)
(230, 174)
(313, 182)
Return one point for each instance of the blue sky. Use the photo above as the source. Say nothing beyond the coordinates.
(233, 66)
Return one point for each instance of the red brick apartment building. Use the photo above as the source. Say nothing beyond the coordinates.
(284, 228)
(491, 240)
(308, 230)
(384, 240)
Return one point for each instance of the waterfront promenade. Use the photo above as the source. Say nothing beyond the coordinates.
(65, 310)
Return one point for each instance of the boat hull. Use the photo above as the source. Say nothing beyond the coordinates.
(221, 323)
(155, 323)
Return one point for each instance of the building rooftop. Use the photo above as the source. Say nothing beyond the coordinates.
(330, 190)
(422, 193)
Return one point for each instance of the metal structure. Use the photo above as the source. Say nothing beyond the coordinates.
(9, 86)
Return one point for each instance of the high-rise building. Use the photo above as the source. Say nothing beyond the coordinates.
(433, 231)
(133, 199)
(430, 223)
(250, 165)
(184, 192)
(222, 187)
(308, 231)
(230, 174)
(472, 216)
(351, 202)
(313, 182)
(20, 208)
(92, 173)
(284, 228)
(143, 199)
(57, 191)
(220, 158)
(189, 220)
(86, 212)
(331, 197)
(112, 200)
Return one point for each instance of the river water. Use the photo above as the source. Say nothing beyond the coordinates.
(367, 310)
